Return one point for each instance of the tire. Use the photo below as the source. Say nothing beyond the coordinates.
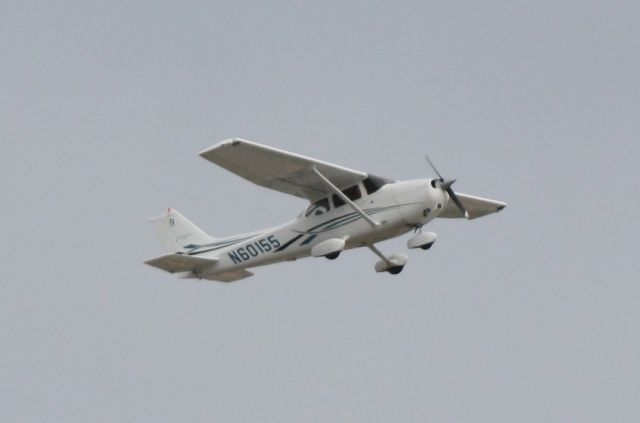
(394, 270)
(333, 256)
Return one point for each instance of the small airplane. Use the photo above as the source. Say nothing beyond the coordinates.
(347, 209)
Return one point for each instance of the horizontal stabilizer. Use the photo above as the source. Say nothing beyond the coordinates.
(475, 206)
(174, 263)
(230, 276)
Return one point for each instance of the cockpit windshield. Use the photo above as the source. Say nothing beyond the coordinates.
(373, 183)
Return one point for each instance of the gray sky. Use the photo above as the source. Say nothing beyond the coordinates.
(530, 315)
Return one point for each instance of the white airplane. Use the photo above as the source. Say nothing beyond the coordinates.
(347, 209)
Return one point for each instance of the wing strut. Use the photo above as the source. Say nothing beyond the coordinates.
(345, 198)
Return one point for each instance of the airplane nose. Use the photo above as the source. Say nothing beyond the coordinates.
(436, 197)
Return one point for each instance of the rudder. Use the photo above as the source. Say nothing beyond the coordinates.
(176, 232)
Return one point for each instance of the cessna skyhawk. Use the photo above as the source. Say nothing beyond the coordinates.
(347, 209)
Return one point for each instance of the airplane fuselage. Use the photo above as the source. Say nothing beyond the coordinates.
(396, 207)
(347, 209)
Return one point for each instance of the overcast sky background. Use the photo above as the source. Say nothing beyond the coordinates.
(530, 315)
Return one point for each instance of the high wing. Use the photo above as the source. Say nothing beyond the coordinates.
(280, 170)
(475, 206)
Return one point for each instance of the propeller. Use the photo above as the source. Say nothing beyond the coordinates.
(446, 186)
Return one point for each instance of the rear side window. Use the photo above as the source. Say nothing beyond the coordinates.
(352, 193)
(318, 208)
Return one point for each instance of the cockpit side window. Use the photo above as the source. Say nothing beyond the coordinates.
(318, 208)
(352, 193)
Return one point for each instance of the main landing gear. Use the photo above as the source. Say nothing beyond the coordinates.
(392, 264)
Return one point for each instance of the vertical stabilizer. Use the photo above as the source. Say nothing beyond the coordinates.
(176, 232)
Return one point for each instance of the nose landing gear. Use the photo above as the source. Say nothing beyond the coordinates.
(422, 240)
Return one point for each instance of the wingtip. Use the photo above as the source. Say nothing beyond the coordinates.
(204, 152)
(228, 141)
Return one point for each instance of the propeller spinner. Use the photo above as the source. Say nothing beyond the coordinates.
(445, 185)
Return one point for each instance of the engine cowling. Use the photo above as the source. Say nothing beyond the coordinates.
(330, 248)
